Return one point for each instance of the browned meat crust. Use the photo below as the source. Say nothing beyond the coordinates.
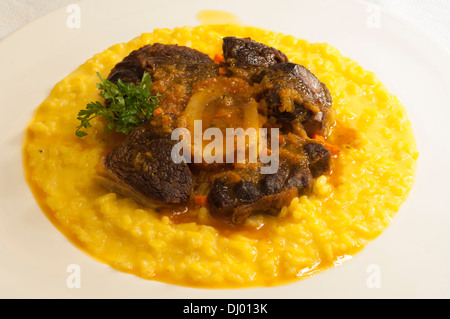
(146, 165)
(239, 199)
(291, 92)
(152, 56)
(246, 53)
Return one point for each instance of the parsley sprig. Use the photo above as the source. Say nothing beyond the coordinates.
(127, 106)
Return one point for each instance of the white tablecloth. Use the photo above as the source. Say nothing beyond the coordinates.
(432, 16)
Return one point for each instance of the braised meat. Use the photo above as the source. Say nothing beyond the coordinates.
(319, 158)
(287, 177)
(174, 70)
(150, 57)
(294, 95)
(226, 204)
(297, 149)
(237, 199)
(243, 56)
(259, 84)
(145, 165)
(244, 52)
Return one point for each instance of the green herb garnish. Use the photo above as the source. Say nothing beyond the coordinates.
(127, 106)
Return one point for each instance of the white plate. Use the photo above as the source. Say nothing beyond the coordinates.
(412, 256)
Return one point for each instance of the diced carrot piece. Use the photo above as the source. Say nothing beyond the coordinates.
(219, 58)
(222, 71)
(334, 149)
(318, 137)
(157, 112)
(200, 200)
(282, 140)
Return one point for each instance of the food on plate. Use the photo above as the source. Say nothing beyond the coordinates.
(191, 87)
(335, 156)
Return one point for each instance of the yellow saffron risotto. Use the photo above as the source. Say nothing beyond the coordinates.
(371, 178)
